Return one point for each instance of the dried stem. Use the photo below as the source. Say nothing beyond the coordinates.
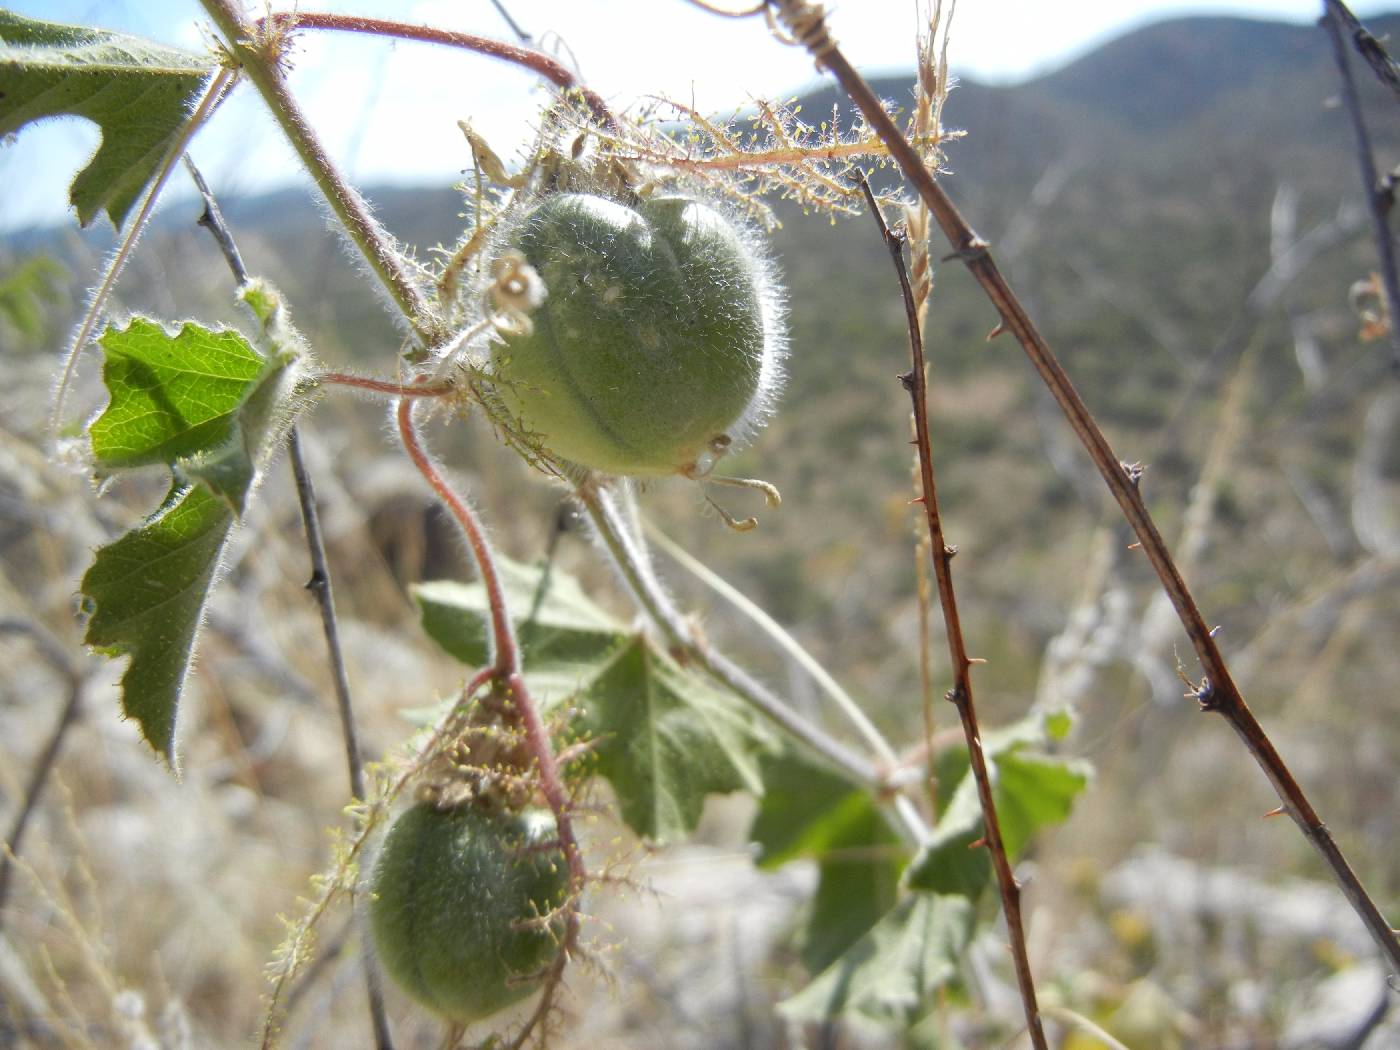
(320, 587)
(546, 66)
(915, 381)
(1377, 199)
(1217, 691)
(258, 54)
(56, 655)
(506, 671)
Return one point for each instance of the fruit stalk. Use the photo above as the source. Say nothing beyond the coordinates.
(506, 671)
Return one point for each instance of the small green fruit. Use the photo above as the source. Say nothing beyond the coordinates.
(457, 894)
(657, 343)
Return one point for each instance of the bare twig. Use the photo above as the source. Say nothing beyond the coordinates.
(521, 35)
(915, 382)
(1334, 21)
(1368, 47)
(1217, 691)
(56, 656)
(320, 587)
(782, 638)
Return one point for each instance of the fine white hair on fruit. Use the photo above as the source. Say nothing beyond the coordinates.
(655, 340)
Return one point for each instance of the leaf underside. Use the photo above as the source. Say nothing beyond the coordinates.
(137, 91)
(145, 594)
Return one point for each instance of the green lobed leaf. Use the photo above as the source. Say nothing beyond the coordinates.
(204, 402)
(1030, 790)
(139, 92)
(144, 595)
(212, 408)
(890, 973)
(808, 810)
(661, 735)
(665, 738)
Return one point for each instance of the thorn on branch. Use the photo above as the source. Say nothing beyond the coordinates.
(1134, 472)
(906, 380)
(1205, 695)
(978, 843)
(1000, 329)
(975, 250)
(1275, 812)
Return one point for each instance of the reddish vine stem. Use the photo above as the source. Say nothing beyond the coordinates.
(1217, 691)
(546, 66)
(915, 382)
(505, 669)
(382, 386)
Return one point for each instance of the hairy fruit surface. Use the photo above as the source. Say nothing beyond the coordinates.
(458, 906)
(657, 343)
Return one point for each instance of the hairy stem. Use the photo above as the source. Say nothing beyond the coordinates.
(915, 382)
(546, 66)
(1218, 691)
(258, 55)
(382, 386)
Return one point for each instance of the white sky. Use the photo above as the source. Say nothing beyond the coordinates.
(388, 110)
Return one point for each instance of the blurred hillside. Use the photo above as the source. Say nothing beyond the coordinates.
(1181, 211)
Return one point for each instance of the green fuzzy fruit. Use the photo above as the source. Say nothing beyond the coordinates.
(656, 342)
(454, 895)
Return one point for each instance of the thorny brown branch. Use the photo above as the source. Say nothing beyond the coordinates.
(1217, 691)
(915, 382)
